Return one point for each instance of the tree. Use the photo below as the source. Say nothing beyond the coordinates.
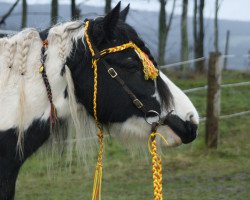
(108, 6)
(184, 36)
(226, 50)
(6, 15)
(216, 28)
(75, 11)
(54, 12)
(216, 25)
(24, 14)
(198, 25)
(164, 27)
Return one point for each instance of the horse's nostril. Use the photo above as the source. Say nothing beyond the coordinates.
(191, 117)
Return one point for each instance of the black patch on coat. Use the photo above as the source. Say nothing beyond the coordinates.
(63, 70)
(113, 103)
(66, 93)
(10, 160)
(184, 129)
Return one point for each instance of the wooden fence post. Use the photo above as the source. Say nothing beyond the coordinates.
(213, 100)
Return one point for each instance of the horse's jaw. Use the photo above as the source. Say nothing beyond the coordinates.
(136, 129)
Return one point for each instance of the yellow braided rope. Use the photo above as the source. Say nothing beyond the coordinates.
(150, 71)
(87, 38)
(97, 185)
(156, 165)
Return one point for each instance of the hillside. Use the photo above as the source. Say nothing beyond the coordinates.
(146, 23)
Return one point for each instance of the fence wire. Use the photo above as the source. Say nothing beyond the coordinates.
(223, 86)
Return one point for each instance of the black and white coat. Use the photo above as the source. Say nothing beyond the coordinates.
(25, 109)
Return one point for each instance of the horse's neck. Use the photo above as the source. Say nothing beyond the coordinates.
(23, 96)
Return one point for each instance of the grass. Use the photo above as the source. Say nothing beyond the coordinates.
(190, 171)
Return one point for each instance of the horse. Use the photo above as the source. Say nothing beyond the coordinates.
(48, 79)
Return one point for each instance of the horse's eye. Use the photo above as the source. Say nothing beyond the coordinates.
(132, 66)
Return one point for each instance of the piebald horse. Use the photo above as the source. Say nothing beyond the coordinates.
(25, 123)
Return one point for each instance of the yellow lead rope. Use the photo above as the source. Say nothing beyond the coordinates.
(156, 164)
(97, 185)
(156, 169)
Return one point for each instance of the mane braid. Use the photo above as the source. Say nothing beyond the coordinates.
(11, 48)
(22, 56)
(53, 112)
(63, 42)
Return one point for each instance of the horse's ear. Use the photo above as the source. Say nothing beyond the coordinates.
(111, 19)
(124, 13)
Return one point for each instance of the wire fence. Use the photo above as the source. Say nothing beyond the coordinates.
(182, 63)
(223, 86)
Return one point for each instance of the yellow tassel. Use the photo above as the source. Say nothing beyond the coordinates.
(150, 71)
(97, 186)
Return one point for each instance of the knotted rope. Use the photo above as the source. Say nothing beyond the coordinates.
(156, 164)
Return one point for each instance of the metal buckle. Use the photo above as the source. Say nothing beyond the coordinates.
(138, 103)
(112, 72)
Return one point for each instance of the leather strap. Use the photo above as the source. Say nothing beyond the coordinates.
(111, 71)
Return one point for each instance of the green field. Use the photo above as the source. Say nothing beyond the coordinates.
(191, 172)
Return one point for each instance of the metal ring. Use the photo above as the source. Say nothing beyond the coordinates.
(156, 114)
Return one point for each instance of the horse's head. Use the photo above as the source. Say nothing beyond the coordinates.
(115, 106)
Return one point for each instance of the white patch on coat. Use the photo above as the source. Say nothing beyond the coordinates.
(183, 107)
(36, 100)
(34, 90)
(136, 129)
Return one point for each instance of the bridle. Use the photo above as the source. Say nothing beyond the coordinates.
(150, 72)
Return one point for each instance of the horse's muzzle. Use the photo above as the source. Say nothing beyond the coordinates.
(186, 130)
